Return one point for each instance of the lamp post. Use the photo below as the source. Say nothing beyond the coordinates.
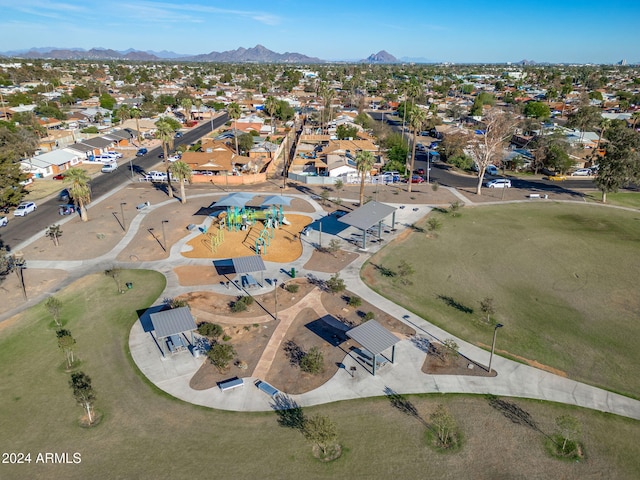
(275, 291)
(493, 344)
(164, 238)
(124, 222)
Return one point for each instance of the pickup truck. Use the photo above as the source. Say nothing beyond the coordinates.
(154, 176)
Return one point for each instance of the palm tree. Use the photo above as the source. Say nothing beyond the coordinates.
(271, 105)
(417, 117)
(136, 113)
(124, 113)
(79, 189)
(364, 163)
(234, 112)
(186, 103)
(198, 104)
(182, 172)
(165, 133)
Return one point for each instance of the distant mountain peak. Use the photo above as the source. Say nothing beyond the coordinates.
(381, 57)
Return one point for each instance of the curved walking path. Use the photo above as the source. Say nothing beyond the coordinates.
(405, 376)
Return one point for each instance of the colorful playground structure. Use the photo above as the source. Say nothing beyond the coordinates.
(236, 219)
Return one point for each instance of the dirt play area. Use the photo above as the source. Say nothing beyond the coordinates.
(250, 332)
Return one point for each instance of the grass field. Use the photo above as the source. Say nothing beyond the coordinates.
(145, 434)
(624, 199)
(564, 279)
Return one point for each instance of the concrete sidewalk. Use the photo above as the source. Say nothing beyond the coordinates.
(173, 374)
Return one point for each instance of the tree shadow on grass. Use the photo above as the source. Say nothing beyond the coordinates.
(290, 414)
(513, 412)
(403, 404)
(384, 271)
(455, 304)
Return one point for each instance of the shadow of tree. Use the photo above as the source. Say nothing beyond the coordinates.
(513, 412)
(401, 403)
(293, 351)
(290, 414)
(455, 304)
(384, 271)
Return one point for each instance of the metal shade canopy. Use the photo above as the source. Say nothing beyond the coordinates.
(237, 199)
(276, 200)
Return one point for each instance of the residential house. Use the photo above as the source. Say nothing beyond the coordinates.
(51, 163)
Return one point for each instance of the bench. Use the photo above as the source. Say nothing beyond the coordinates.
(537, 195)
(141, 206)
(231, 384)
(266, 388)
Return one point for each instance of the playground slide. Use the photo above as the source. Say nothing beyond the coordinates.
(285, 221)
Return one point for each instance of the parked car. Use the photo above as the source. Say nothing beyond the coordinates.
(64, 196)
(24, 208)
(141, 152)
(492, 170)
(417, 179)
(498, 183)
(419, 171)
(111, 153)
(109, 167)
(557, 178)
(581, 172)
(178, 135)
(59, 176)
(3, 221)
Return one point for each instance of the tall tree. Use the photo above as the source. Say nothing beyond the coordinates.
(53, 306)
(364, 163)
(417, 117)
(79, 189)
(620, 165)
(165, 132)
(271, 106)
(136, 113)
(66, 343)
(186, 104)
(234, 112)
(182, 172)
(83, 392)
(487, 146)
(321, 431)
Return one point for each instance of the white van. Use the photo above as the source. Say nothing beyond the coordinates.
(109, 167)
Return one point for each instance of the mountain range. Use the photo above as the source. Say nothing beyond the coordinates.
(257, 54)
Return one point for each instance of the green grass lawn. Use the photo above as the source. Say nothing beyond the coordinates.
(623, 199)
(145, 434)
(564, 279)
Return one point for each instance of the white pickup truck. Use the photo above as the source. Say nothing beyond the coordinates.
(154, 176)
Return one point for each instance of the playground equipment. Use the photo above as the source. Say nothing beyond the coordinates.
(215, 239)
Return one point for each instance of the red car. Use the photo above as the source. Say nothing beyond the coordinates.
(417, 179)
(60, 176)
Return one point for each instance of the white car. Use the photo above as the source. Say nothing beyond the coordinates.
(109, 167)
(111, 153)
(3, 221)
(581, 172)
(499, 183)
(24, 208)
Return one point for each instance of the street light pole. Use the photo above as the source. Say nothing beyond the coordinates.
(124, 222)
(275, 291)
(164, 238)
(493, 344)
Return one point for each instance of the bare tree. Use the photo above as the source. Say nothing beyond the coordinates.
(54, 305)
(54, 233)
(487, 146)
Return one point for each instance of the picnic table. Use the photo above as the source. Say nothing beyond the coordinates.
(248, 281)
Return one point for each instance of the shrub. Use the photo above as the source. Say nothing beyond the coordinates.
(368, 316)
(226, 338)
(312, 361)
(435, 186)
(212, 330)
(354, 301)
(220, 355)
(335, 284)
(241, 304)
(433, 224)
(292, 288)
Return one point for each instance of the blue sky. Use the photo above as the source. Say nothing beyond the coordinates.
(463, 31)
